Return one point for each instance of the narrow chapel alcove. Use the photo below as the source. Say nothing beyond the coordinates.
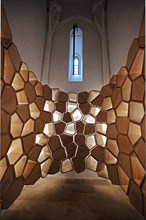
(72, 110)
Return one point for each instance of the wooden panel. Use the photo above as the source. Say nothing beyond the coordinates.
(54, 143)
(66, 140)
(116, 97)
(83, 97)
(124, 144)
(80, 126)
(106, 91)
(122, 124)
(63, 97)
(141, 36)
(113, 173)
(47, 92)
(135, 196)
(34, 175)
(59, 154)
(123, 178)
(5, 144)
(140, 151)
(132, 53)
(9, 69)
(23, 112)
(79, 164)
(67, 117)
(125, 163)
(137, 66)
(138, 172)
(97, 101)
(30, 92)
(12, 193)
(15, 57)
(112, 131)
(55, 167)
(84, 108)
(98, 153)
(71, 150)
(5, 29)
(102, 170)
(121, 76)
(28, 142)
(80, 139)
(59, 127)
(138, 89)
(89, 129)
(82, 152)
(126, 90)
(61, 106)
(5, 122)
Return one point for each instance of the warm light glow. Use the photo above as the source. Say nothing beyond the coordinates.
(90, 141)
(28, 127)
(89, 119)
(40, 139)
(34, 111)
(3, 167)
(49, 129)
(101, 128)
(71, 106)
(49, 106)
(57, 116)
(101, 140)
(70, 129)
(76, 115)
(16, 125)
(91, 163)
(44, 154)
(72, 97)
(94, 110)
(66, 166)
(15, 151)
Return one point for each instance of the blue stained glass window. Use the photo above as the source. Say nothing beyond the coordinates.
(75, 70)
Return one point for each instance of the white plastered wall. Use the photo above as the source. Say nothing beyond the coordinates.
(92, 66)
(123, 21)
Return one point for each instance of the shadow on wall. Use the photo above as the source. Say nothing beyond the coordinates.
(46, 130)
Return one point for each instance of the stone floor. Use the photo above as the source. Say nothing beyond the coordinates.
(55, 198)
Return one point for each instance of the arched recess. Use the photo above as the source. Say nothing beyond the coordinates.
(92, 64)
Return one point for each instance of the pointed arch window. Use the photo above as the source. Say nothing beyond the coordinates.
(76, 66)
(75, 70)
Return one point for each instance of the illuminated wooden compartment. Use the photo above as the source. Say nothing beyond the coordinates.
(136, 112)
(138, 171)
(102, 170)
(15, 56)
(66, 166)
(9, 69)
(135, 196)
(123, 178)
(3, 167)
(136, 68)
(126, 90)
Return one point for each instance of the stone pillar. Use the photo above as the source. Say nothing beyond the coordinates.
(100, 22)
(53, 20)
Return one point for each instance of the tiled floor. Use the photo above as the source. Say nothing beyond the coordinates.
(55, 198)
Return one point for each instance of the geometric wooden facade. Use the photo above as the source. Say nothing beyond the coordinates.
(45, 130)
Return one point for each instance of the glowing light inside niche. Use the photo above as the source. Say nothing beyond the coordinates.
(70, 129)
(89, 119)
(57, 116)
(76, 115)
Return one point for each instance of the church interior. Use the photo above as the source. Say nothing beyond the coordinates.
(72, 110)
